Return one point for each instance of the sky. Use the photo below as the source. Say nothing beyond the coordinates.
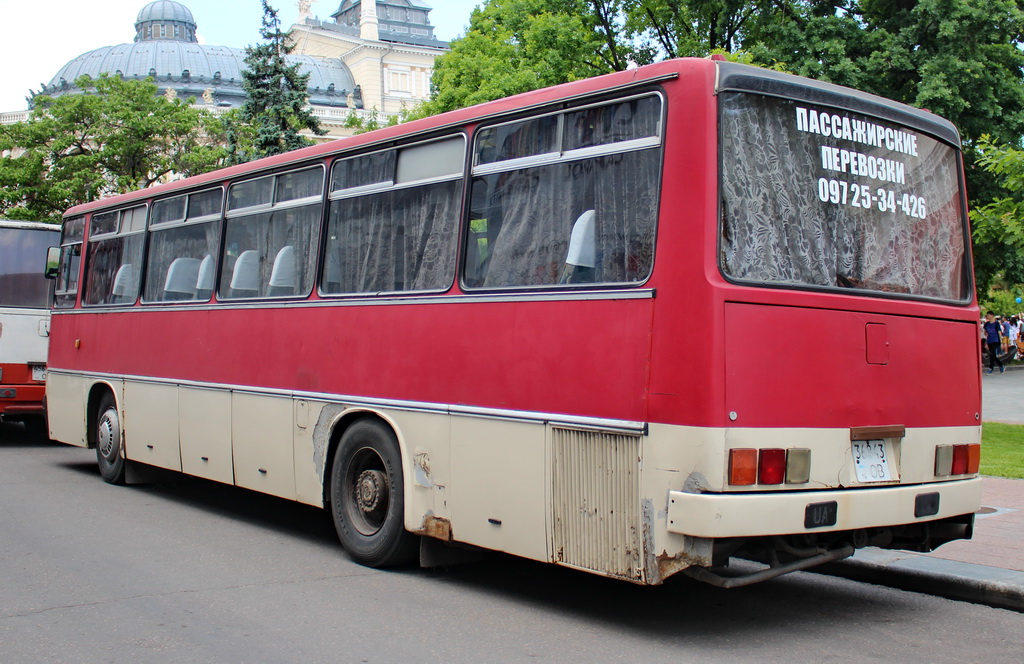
(41, 38)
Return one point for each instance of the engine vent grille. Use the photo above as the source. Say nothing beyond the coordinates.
(596, 502)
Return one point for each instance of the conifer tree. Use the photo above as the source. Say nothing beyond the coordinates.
(115, 137)
(275, 110)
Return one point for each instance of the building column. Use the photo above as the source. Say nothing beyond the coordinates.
(369, 28)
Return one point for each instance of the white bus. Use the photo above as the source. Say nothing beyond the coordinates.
(25, 297)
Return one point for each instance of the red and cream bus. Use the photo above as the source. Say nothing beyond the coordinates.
(24, 318)
(635, 325)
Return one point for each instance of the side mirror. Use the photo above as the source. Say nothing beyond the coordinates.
(52, 262)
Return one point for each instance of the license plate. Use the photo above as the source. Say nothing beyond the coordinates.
(871, 461)
(39, 372)
(820, 515)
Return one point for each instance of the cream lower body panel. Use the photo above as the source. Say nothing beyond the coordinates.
(618, 498)
(685, 472)
(204, 428)
(715, 515)
(149, 422)
(66, 407)
(499, 488)
(263, 443)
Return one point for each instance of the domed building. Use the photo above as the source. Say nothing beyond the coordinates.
(165, 15)
(389, 46)
(358, 63)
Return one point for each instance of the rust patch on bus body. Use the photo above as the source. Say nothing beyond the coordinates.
(697, 551)
(421, 470)
(322, 431)
(436, 527)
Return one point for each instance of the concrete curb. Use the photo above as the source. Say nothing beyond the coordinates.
(979, 584)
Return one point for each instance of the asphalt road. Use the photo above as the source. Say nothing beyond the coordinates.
(191, 571)
(1002, 397)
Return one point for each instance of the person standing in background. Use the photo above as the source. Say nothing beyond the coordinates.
(994, 339)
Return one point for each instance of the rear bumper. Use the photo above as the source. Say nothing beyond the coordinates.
(716, 515)
(21, 399)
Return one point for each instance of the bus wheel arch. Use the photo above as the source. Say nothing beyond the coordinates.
(106, 434)
(365, 491)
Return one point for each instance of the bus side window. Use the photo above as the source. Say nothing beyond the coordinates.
(580, 210)
(270, 246)
(112, 270)
(66, 287)
(487, 207)
(393, 219)
(114, 265)
(184, 231)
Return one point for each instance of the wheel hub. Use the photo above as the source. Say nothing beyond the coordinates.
(106, 436)
(371, 490)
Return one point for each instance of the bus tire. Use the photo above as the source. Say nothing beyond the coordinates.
(367, 496)
(108, 441)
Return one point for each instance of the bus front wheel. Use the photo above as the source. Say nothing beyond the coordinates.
(368, 496)
(108, 441)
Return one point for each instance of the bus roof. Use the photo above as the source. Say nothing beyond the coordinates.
(456, 118)
(745, 78)
(29, 225)
(726, 75)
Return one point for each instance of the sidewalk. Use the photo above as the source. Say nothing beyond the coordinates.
(988, 569)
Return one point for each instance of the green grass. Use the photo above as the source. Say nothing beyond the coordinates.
(1002, 449)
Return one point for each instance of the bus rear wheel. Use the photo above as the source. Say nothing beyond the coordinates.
(108, 441)
(368, 496)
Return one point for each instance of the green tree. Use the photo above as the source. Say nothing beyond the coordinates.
(961, 59)
(515, 46)
(1002, 300)
(274, 112)
(827, 40)
(693, 28)
(115, 137)
(958, 58)
(998, 227)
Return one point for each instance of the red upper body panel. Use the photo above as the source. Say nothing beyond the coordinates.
(696, 350)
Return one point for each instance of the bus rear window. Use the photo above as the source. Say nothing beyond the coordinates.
(821, 197)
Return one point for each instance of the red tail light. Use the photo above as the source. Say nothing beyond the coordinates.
(959, 460)
(771, 466)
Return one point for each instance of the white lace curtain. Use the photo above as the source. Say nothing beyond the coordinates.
(530, 215)
(776, 229)
(398, 240)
